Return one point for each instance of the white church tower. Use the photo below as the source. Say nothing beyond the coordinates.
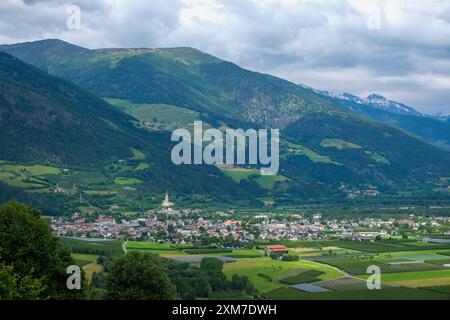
(166, 203)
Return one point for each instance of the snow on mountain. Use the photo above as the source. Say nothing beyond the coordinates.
(380, 102)
(374, 100)
(441, 117)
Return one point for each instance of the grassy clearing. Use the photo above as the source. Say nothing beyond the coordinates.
(85, 256)
(268, 182)
(262, 270)
(142, 166)
(378, 158)
(400, 293)
(163, 249)
(83, 260)
(421, 283)
(83, 246)
(419, 255)
(303, 277)
(207, 251)
(358, 264)
(154, 245)
(20, 181)
(178, 250)
(137, 154)
(238, 174)
(384, 246)
(127, 181)
(90, 269)
(443, 275)
(100, 192)
(35, 170)
(166, 116)
(338, 144)
(296, 149)
(313, 252)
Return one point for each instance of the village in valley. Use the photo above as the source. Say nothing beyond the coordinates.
(183, 226)
(291, 254)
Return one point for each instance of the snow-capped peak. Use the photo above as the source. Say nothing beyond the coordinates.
(374, 100)
(380, 102)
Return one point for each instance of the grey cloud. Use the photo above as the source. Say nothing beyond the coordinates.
(321, 43)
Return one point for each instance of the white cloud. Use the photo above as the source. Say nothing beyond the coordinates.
(321, 43)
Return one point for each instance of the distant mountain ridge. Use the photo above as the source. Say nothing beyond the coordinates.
(47, 120)
(433, 129)
(374, 100)
(326, 142)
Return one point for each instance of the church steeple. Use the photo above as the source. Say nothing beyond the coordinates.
(166, 203)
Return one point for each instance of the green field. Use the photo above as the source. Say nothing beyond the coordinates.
(359, 264)
(35, 170)
(262, 271)
(20, 181)
(168, 117)
(173, 250)
(83, 246)
(83, 259)
(303, 277)
(239, 174)
(377, 158)
(419, 255)
(142, 166)
(384, 246)
(400, 293)
(127, 181)
(100, 192)
(27, 176)
(137, 154)
(268, 182)
(207, 251)
(272, 278)
(415, 275)
(338, 144)
(296, 149)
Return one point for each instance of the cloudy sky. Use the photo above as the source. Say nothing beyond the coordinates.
(398, 48)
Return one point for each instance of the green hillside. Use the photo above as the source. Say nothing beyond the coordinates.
(58, 140)
(165, 88)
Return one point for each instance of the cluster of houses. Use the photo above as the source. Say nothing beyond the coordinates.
(186, 226)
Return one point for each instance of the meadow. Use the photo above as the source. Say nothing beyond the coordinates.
(92, 246)
(273, 278)
(179, 250)
(168, 117)
(400, 293)
(358, 264)
(266, 273)
(88, 262)
(239, 174)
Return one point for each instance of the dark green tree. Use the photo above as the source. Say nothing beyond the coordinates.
(138, 276)
(211, 265)
(16, 287)
(212, 268)
(28, 245)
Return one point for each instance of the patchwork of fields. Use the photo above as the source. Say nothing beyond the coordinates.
(417, 273)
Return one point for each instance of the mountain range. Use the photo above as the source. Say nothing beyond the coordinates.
(47, 120)
(434, 129)
(328, 142)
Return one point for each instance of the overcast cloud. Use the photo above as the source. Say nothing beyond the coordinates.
(397, 48)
